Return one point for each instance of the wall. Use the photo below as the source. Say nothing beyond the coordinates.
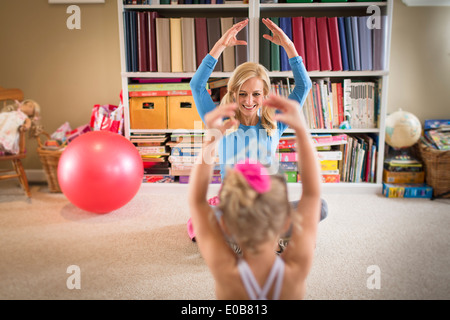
(68, 71)
(419, 77)
(65, 71)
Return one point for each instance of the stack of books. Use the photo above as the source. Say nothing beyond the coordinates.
(329, 152)
(403, 177)
(185, 148)
(154, 153)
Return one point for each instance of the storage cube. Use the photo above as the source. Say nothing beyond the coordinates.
(182, 113)
(148, 113)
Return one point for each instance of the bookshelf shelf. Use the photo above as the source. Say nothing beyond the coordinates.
(319, 6)
(255, 10)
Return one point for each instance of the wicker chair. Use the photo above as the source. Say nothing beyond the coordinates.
(15, 159)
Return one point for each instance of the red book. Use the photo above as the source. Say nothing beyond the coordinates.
(151, 26)
(142, 41)
(201, 39)
(324, 44)
(340, 100)
(298, 37)
(335, 46)
(311, 46)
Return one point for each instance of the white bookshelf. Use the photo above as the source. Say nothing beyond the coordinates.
(255, 11)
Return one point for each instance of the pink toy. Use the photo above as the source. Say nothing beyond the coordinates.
(100, 171)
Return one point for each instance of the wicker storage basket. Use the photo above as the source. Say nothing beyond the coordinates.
(437, 169)
(50, 159)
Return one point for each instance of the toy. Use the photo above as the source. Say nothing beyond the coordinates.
(100, 171)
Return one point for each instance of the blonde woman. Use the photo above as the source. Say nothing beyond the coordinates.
(254, 210)
(256, 134)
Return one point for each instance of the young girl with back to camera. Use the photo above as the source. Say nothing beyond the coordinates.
(253, 211)
(258, 133)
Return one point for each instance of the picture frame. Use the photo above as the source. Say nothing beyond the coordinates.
(75, 1)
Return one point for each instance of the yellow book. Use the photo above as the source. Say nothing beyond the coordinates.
(176, 51)
(326, 165)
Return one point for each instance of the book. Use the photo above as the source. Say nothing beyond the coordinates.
(329, 155)
(158, 178)
(379, 47)
(159, 86)
(403, 177)
(134, 40)
(264, 46)
(228, 55)
(161, 93)
(163, 44)
(214, 34)
(298, 37)
(287, 156)
(311, 45)
(213, 84)
(355, 40)
(440, 138)
(176, 52)
(151, 33)
(365, 43)
(349, 41)
(127, 39)
(142, 39)
(188, 44)
(436, 123)
(329, 139)
(335, 46)
(241, 51)
(407, 190)
(274, 51)
(326, 165)
(323, 44)
(201, 39)
(343, 43)
(286, 26)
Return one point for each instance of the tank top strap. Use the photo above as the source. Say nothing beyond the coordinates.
(252, 287)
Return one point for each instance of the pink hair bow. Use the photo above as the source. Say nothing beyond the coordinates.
(255, 174)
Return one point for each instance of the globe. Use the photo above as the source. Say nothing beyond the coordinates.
(403, 129)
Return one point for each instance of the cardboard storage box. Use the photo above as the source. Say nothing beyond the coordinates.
(182, 113)
(148, 113)
(403, 177)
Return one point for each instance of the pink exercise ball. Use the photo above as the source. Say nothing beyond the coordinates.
(100, 171)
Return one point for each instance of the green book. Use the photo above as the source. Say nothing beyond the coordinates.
(264, 46)
(274, 51)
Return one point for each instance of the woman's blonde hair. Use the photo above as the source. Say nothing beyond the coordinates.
(253, 218)
(240, 75)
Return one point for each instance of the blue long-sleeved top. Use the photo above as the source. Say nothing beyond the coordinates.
(250, 142)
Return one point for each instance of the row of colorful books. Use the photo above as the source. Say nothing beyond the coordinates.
(343, 157)
(154, 43)
(352, 43)
(176, 2)
(329, 104)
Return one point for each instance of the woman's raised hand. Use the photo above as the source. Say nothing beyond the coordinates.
(215, 119)
(229, 39)
(289, 111)
(279, 37)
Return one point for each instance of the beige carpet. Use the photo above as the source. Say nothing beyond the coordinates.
(142, 251)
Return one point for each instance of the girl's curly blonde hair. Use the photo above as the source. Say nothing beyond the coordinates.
(253, 218)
